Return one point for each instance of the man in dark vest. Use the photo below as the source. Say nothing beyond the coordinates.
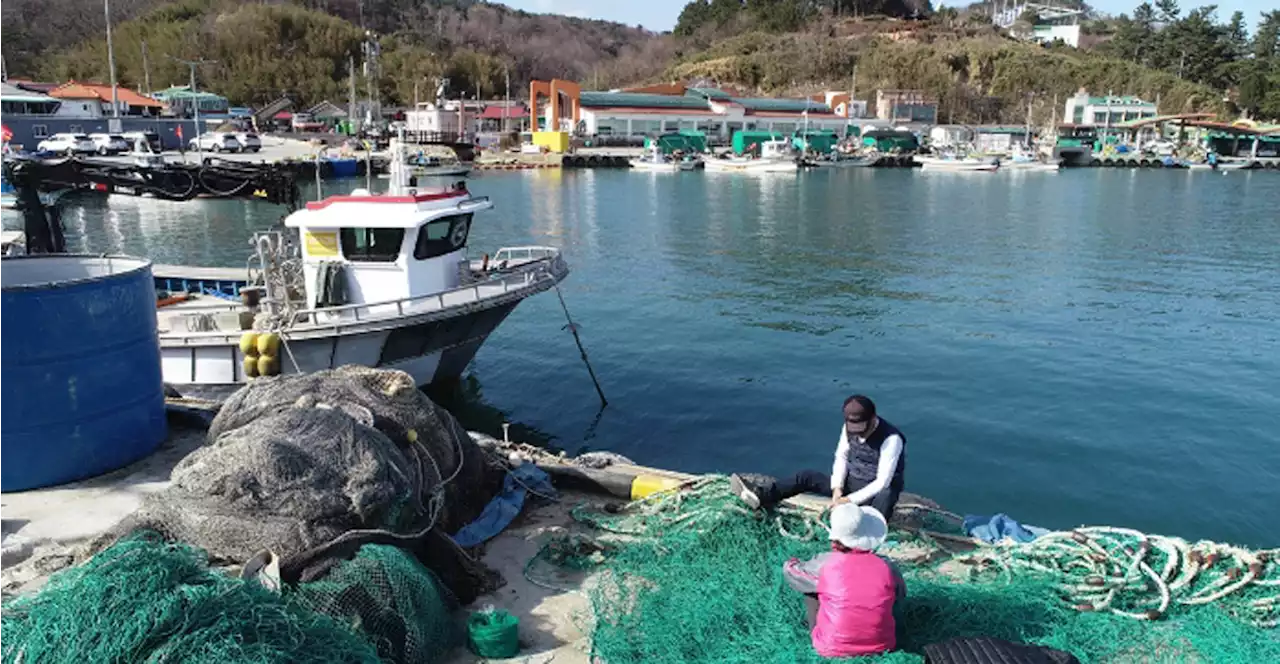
(871, 459)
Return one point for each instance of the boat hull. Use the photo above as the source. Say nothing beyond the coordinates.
(1224, 167)
(961, 167)
(751, 166)
(649, 166)
(430, 352)
(1029, 167)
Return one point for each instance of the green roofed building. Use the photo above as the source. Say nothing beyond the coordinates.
(663, 110)
(181, 101)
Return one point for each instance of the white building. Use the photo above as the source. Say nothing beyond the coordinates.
(1047, 34)
(1105, 111)
(451, 118)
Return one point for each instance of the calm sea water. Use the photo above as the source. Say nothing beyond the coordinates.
(1094, 346)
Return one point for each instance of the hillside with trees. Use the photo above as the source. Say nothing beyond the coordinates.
(1189, 61)
(978, 73)
(265, 49)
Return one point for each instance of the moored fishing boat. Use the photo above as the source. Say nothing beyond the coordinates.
(375, 279)
(955, 164)
(775, 157)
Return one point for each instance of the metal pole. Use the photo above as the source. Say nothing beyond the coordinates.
(111, 62)
(351, 94)
(506, 100)
(195, 103)
(146, 69)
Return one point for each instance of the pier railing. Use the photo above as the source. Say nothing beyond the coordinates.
(545, 268)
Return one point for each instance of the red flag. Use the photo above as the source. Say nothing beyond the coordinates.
(5, 133)
(179, 131)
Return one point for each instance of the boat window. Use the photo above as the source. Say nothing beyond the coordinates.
(374, 245)
(442, 236)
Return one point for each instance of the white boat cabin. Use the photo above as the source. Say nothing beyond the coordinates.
(397, 246)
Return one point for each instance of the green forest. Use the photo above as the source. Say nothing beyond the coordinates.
(1189, 61)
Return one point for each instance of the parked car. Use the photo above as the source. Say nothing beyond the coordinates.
(215, 142)
(67, 144)
(303, 122)
(151, 137)
(249, 141)
(109, 143)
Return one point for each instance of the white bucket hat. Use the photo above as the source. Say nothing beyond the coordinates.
(858, 527)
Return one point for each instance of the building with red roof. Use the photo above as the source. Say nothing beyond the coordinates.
(93, 100)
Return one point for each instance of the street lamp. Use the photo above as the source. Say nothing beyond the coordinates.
(195, 103)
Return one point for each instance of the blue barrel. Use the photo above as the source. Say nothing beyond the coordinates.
(343, 167)
(80, 386)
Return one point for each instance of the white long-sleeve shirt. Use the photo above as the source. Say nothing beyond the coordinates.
(890, 451)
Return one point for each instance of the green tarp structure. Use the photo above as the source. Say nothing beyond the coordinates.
(886, 140)
(745, 141)
(818, 140)
(687, 140)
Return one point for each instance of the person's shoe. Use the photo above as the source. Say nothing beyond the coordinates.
(740, 489)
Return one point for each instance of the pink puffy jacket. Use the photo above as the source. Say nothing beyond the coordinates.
(856, 591)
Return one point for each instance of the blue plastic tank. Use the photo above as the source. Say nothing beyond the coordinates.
(80, 386)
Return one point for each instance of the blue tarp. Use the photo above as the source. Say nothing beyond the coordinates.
(992, 529)
(505, 506)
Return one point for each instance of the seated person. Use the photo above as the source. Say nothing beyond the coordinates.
(869, 468)
(851, 594)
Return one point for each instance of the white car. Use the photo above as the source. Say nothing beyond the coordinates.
(215, 142)
(67, 144)
(249, 141)
(109, 143)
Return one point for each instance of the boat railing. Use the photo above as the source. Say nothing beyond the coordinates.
(334, 318)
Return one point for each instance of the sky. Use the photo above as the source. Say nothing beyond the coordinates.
(661, 14)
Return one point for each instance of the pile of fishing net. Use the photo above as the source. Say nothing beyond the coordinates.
(343, 485)
(692, 576)
(293, 463)
(145, 600)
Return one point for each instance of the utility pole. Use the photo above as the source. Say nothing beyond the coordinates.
(111, 64)
(146, 69)
(351, 93)
(1030, 96)
(853, 88)
(506, 98)
(195, 102)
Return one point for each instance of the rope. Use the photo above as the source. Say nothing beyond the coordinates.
(1111, 569)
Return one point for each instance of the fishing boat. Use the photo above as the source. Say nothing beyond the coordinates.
(775, 157)
(1023, 162)
(956, 164)
(838, 160)
(1224, 166)
(378, 280)
(654, 161)
(423, 165)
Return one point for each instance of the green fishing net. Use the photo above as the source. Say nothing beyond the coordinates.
(387, 594)
(692, 577)
(144, 600)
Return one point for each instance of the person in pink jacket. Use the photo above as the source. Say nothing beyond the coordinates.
(851, 596)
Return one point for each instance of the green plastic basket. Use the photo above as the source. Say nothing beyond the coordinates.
(493, 633)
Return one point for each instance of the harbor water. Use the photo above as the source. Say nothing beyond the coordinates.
(1087, 347)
